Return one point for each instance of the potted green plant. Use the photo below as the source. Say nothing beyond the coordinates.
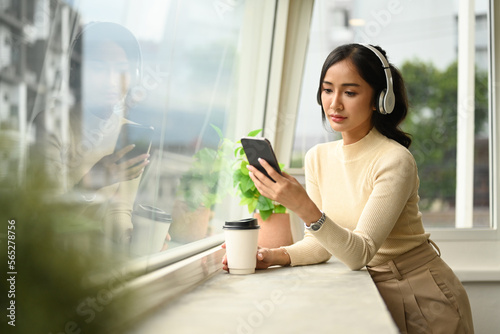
(273, 217)
(205, 184)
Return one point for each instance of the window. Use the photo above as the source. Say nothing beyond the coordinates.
(430, 44)
(73, 76)
(80, 77)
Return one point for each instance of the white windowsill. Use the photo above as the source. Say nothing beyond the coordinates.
(276, 300)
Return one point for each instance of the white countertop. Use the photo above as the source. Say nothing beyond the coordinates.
(324, 298)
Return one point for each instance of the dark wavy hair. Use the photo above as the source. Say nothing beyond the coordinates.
(371, 70)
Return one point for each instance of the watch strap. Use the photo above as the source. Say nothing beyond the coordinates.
(317, 224)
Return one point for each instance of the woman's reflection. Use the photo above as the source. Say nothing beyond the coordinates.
(105, 64)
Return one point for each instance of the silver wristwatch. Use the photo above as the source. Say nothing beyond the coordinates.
(317, 225)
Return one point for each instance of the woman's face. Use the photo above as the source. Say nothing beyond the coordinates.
(347, 100)
(106, 78)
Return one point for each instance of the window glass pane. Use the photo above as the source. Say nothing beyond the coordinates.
(86, 79)
(421, 40)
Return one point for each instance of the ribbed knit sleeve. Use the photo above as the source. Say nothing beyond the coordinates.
(309, 250)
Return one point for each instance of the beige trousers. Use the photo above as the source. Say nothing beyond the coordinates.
(422, 293)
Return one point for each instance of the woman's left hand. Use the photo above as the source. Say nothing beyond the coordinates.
(286, 190)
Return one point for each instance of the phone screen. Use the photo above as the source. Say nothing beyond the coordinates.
(140, 135)
(256, 148)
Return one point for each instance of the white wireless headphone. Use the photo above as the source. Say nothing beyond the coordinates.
(385, 99)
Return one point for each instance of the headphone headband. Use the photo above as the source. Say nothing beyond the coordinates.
(386, 100)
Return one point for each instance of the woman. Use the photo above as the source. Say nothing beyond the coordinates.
(361, 204)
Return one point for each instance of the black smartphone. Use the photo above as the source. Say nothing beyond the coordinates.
(256, 148)
(137, 134)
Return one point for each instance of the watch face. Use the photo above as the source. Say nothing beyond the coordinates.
(315, 227)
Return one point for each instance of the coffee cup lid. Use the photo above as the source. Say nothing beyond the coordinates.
(242, 224)
(154, 213)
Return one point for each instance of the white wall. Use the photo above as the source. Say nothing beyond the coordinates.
(485, 303)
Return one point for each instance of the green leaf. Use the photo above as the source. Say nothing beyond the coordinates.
(246, 184)
(264, 204)
(279, 209)
(252, 206)
(219, 132)
(254, 133)
(205, 157)
(265, 214)
(246, 193)
(237, 175)
(211, 181)
(209, 200)
(243, 168)
(246, 200)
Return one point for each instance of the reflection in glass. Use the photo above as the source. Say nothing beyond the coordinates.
(178, 77)
(79, 81)
(81, 160)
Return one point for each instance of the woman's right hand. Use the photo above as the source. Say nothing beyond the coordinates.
(267, 257)
(108, 171)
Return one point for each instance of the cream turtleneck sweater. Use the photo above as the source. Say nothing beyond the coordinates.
(369, 193)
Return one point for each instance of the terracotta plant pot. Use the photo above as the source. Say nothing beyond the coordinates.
(188, 226)
(275, 231)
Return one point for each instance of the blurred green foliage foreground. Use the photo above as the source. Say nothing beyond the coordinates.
(55, 252)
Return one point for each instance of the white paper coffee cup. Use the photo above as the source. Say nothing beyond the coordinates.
(151, 227)
(241, 245)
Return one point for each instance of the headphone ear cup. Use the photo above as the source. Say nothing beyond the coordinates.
(389, 102)
(380, 102)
